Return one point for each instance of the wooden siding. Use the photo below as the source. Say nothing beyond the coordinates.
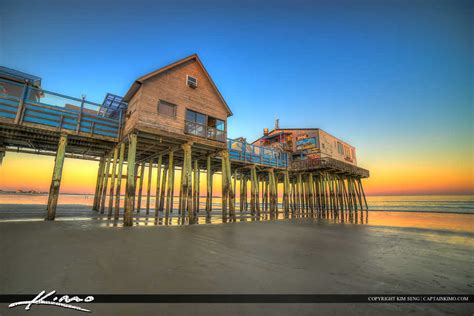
(171, 86)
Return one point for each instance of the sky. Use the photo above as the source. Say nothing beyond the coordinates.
(392, 78)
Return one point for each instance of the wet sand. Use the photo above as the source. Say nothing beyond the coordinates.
(299, 256)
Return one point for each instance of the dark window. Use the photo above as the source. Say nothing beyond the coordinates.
(192, 82)
(196, 117)
(166, 108)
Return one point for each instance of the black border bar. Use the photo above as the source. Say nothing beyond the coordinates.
(257, 298)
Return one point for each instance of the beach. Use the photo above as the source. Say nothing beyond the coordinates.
(292, 256)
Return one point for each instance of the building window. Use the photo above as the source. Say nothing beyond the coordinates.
(204, 126)
(166, 108)
(339, 148)
(191, 81)
(195, 117)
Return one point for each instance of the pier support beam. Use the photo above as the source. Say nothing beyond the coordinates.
(119, 181)
(56, 180)
(98, 185)
(185, 184)
(163, 188)
(105, 181)
(148, 187)
(140, 186)
(112, 182)
(227, 191)
(286, 190)
(209, 187)
(130, 192)
(195, 190)
(253, 189)
(169, 189)
(311, 192)
(157, 193)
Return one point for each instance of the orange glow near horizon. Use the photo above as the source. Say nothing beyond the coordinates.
(33, 172)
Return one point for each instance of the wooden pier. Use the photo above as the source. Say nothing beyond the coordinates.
(173, 120)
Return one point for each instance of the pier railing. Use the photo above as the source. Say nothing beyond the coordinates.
(242, 151)
(328, 163)
(23, 103)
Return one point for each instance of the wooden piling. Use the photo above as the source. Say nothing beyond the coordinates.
(195, 189)
(169, 189)
(105, 181)
(209, 187)
(163, 188)
(225, 185)
(148, 187)
(286, 189)
(112, 182)
(140, 186)
(311, 192)
(157, 192)
(363, 193)
(119, 181)
(130, 191)
(56, 179)
(98, 184)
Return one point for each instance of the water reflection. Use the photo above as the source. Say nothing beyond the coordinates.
(216, 217)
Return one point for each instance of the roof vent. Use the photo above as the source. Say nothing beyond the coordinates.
(192, 82)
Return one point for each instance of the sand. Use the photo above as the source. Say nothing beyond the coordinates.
(302, 256)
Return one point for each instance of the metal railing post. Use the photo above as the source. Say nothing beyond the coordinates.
(21, 104)
(78, 128)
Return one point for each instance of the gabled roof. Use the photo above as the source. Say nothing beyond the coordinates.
(136, 85)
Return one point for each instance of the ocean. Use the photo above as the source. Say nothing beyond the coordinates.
(461, 204)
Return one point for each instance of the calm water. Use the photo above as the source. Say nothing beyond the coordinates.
(463, 204)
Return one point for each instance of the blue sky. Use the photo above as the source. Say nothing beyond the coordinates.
(394, 78)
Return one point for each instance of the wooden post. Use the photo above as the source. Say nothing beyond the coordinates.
(209, 187)
(169, 190)
(184, 186)
(140, 186)
(157, 193)
(228, 191)
(225, 187)
(163, 189)
(265, 194)
(56, 179)
(195, 189)
(242, 188)
(130, 191)
(299, 193)
(284, 194)
(112, 182)
(363, 193)
(148, 187)
(311, 192)
(119, 181)
(98, 185)
(257, 195)
(104, 184)
(136, 179)
(252, 189)
(188, 192)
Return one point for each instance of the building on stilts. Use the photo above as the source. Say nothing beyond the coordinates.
(171, 128)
